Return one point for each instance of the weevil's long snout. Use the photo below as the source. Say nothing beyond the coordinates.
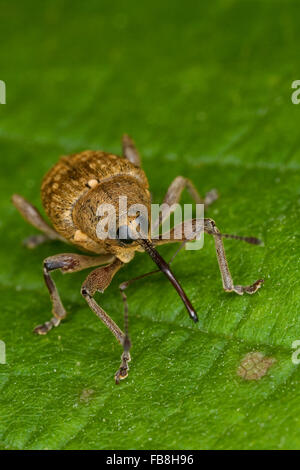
(165, 268)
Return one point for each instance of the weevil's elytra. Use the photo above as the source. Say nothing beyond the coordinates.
(71, 193)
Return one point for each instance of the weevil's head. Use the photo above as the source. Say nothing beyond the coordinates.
(133, 220)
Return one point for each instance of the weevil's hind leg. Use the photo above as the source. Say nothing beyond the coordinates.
(130, 151)
(99, 280)
(32, 216)
(66, 263)
(173, 196)
(35, 240)
(210, 227)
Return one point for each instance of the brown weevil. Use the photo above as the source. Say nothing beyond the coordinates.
(71, 193)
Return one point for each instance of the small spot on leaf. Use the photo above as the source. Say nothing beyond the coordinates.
(254, 366)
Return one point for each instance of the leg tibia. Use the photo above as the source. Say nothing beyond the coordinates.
(32, 215)
(99, 280)
(189, 232)
(66, 263)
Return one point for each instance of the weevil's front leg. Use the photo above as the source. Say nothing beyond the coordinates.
(189, 232)
(32, 215)
(66, 263)
(126, 343)
(174, 194)
(99, 280)
(123, 371)
(130, 151)
(125, 358)
(210, 227)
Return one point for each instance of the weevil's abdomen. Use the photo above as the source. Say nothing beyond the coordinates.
(71, 179)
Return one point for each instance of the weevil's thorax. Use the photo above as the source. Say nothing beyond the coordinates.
(77, 185)
(110, 204)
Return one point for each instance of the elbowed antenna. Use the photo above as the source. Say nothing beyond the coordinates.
(165, 268)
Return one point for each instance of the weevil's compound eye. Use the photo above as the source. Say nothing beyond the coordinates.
(124, 235)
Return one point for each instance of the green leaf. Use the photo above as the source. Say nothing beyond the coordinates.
(205, 90)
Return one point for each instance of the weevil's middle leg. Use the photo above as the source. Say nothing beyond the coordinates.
(177, 186)
(66, 263)
(126, 284)
(173, 196)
